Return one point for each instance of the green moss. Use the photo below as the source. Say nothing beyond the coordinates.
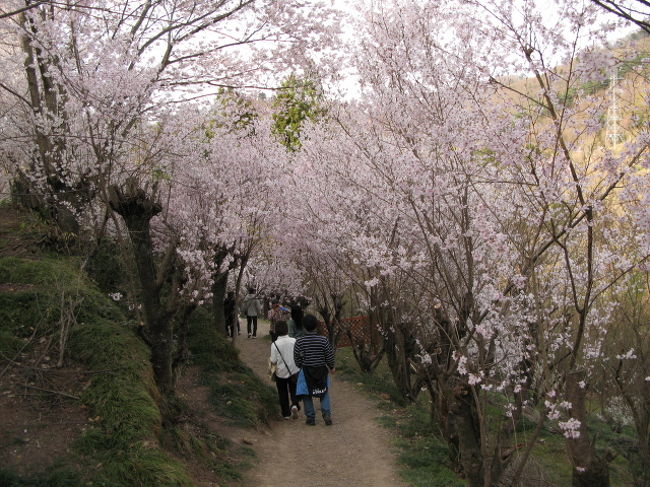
(23, 311)
(550, 452)
(38, 290)
(9, 344)
(425, 463)
(122, 397)
(379, 382)
(122, 448)
(121, 391)
(140, 465)
(226, 459)
(210, 350)
(44, 271)
(243, 398)
(105, 267)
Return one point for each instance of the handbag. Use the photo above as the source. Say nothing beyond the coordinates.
(272, 370)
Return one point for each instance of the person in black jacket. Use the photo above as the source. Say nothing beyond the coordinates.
(230, 316)
(314, 354)
(297, 313)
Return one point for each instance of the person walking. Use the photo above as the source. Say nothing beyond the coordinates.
(252, 307)
(295, 327)
(229, 314)
(286, 370)
(276, 314)
(314, 354)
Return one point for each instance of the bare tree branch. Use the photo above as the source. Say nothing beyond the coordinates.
(638, 17)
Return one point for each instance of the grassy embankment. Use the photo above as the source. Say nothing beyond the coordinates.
(125, 443)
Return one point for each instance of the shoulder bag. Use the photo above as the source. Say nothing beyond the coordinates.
(292, 377)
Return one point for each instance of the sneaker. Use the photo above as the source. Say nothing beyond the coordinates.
(286, 417)
(294, 411)
(254, 336)
(249, 335)
(328, 421)
(310, 422)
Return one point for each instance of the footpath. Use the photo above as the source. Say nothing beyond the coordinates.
(354, 452)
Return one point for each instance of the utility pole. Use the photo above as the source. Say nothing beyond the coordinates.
(612, 123)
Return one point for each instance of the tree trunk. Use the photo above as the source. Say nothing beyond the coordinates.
(219, 285)
(46, 99)
(137, 209)
(595, 475)
(367, 355)
(464, 421)
(399, 350)
(161, 342)
(182, 348)
(644, 462)
(330, 308)
(589, 469)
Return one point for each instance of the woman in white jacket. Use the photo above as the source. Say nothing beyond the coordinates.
(286, 370)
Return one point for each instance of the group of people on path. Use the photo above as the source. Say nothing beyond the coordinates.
(303, 366)
(303, 359)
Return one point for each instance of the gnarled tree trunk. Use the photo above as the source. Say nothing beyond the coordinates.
(137, 208)
(399, 346)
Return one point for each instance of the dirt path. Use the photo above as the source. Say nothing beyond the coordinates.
(354, 452)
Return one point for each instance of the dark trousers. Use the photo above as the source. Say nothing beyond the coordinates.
(230, 326)
(251, 323)
(286, 392)
(231, 322)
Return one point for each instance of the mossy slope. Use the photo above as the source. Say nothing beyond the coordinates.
(235, 391)
(122, 448)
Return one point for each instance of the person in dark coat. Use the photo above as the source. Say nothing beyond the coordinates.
(296, 318)
(230, 314)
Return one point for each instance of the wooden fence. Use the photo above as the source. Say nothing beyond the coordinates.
(357, 330)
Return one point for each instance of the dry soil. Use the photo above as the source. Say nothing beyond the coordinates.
(354, 452)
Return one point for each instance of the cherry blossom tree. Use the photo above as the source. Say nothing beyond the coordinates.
(93, 72)
(92, 128)
(623, 389)
(212, 200)
(487, 210)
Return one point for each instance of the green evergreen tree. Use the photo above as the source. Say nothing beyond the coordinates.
(238, 108)
(297, 100)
